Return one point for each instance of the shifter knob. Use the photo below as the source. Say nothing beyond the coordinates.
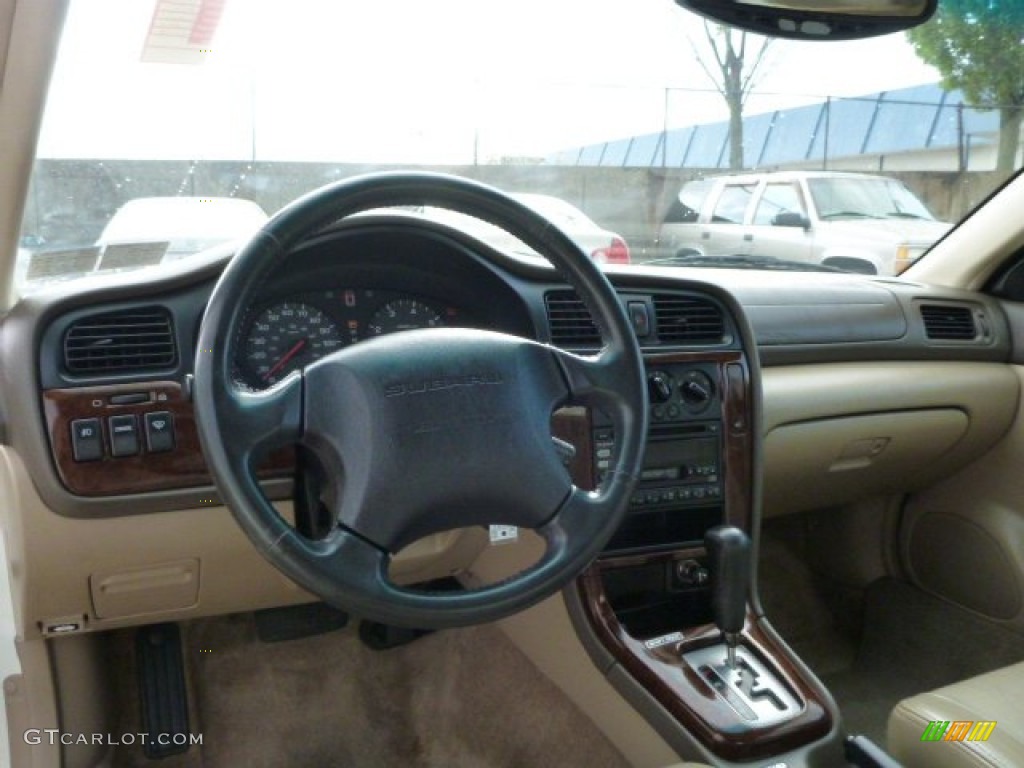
(729, 563)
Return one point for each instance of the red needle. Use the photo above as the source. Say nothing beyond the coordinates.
(284, 360)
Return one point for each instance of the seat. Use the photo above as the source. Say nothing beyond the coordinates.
(951, 727)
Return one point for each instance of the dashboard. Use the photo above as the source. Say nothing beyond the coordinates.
(767, 394)
(114, 359)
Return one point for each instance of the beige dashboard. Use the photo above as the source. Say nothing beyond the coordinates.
(909, 424)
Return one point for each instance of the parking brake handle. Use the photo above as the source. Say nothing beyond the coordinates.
(728, 551)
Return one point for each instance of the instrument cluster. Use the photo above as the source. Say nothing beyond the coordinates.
(287, 334)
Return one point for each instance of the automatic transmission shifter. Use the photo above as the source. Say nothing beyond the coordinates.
(729, 563)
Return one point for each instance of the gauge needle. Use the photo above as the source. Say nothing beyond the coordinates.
(284, 359)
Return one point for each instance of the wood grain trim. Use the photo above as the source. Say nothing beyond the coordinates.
(184, 467)
(661, 671)
(733, 384)
(573, 425)
(687, 696)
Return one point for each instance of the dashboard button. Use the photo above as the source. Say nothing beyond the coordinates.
(124, 435)
(87, 439)
(159, 432)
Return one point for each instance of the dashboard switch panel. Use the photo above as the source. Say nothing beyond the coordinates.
(87, 439)
(124, 435)
(159, 432)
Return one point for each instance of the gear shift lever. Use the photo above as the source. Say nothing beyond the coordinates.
(729, 563)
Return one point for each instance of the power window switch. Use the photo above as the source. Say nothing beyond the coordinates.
(159, 432)
(124, 435)
(86, 439)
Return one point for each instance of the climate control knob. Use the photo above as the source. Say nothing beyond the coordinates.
(696, 391)
(659, 387)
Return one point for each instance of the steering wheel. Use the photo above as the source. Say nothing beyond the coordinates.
(426, 430)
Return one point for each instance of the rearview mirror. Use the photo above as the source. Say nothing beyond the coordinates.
(816, 19)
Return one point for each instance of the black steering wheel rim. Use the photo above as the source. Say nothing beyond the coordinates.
(349, 567)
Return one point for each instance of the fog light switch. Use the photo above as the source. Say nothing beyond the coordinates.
(86, 439)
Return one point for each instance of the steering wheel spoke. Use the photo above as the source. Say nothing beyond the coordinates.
(256, 422)
(601, 380)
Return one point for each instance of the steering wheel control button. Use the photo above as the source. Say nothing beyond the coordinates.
(87, 439)
(159, 432)
(124, 435)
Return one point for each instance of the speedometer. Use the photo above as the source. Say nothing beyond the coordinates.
(286, 337)
(404, 315)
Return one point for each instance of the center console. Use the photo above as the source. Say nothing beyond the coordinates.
(665, 610)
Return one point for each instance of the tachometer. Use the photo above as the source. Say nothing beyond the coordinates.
(403, 315)
(285, 337)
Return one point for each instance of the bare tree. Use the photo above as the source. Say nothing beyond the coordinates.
(735, 60)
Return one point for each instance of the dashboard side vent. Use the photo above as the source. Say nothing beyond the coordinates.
(127, 340)
(948, 323)
(685, 320)
(570, 321)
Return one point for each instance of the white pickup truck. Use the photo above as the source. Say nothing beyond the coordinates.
(850, 221)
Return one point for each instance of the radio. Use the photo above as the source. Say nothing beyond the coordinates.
(679, 493)
(682, 467)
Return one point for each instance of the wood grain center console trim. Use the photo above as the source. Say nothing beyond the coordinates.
(689, 698)
(660, 669)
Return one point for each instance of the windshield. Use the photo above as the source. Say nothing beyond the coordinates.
(173, 127)
(865, 197)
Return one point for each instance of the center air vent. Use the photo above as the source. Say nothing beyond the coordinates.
(948, 323)
(683, 320)
(117, 342)
(679, 320)
(570, 321)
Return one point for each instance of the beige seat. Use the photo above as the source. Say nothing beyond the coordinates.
(994, 697)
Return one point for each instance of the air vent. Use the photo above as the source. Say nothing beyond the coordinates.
(117, 342)
(948, 323)
(683, 320)
(570, 321)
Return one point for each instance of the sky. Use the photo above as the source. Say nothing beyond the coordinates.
(407, 81)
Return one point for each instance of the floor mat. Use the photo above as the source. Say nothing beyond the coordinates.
(913, 642)
(813, 619)
(461, 698)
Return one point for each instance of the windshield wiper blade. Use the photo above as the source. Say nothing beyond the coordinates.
(906, 215)
(850, 214)
(742, 262)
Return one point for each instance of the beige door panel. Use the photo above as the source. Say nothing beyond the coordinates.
(963, 538)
